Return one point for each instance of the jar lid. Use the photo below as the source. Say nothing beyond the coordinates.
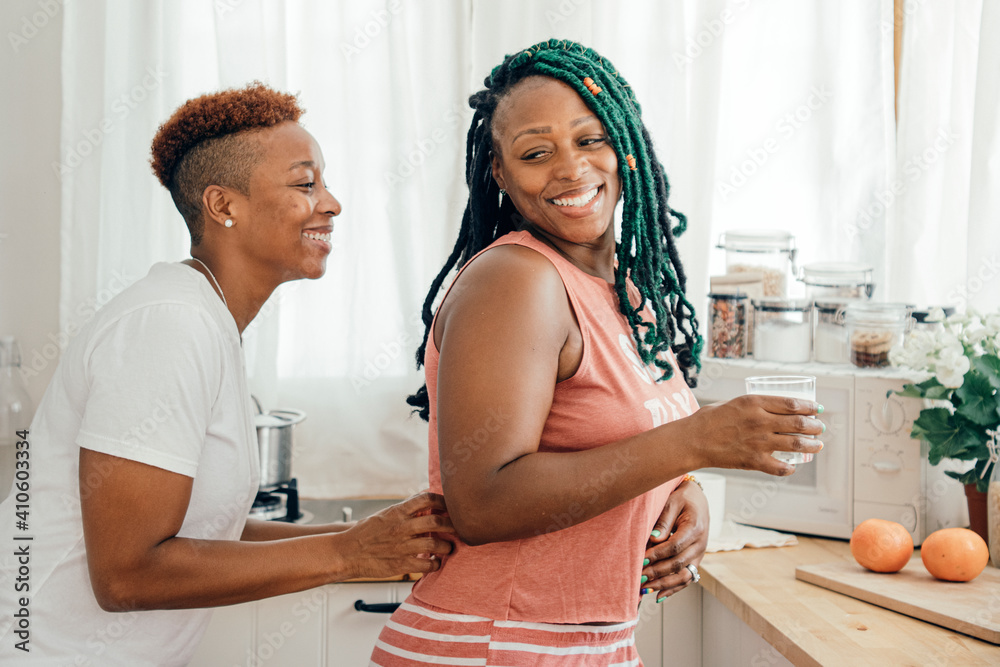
(877, 313)
(837, 274)
(757, 240)
(782, 304)
(922, 314)
(832, 306)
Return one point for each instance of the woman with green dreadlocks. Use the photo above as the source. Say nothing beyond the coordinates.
(561, 425)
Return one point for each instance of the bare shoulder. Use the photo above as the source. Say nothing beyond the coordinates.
(509, 281)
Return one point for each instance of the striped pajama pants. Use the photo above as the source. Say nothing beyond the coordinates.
(418, 635)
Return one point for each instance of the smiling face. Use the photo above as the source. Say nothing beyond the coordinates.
(285, 223)
(553, 157)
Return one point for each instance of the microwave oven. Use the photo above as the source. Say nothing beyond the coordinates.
(869, 467)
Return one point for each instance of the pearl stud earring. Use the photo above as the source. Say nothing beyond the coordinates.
(229, 223)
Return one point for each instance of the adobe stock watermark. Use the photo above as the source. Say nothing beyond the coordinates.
(423, 148)
(913, 170)
(976, 282)
(32, 25)
(138, 433)
(785, 128)
(590, 492)
(565, 9)
(389, 352)
(41, 358)
(371, 29)
(223, 7)
(121, 108)
(909, 8)
(711, 30)
(271, 641)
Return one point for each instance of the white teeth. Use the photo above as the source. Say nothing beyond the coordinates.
(582, 200)
(318, 237)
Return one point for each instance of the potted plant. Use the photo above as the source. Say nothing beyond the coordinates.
(961, 359)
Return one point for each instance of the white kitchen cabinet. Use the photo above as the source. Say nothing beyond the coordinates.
(319, 627)
(682, 629)
(228, 639)
(352, 633)
(727, 640)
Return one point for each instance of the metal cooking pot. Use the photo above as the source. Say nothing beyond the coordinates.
(274, 438)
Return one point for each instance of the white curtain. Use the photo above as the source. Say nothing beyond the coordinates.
(766, 114)
(946, 232)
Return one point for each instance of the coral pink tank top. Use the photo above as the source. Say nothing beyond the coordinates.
(588, 572)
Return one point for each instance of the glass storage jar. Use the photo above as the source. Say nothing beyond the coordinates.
(873, 330)
(727, 329)
(766, 251)
(782, 329)
(838, 280)
(830, 334)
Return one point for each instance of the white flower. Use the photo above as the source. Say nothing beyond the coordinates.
(951, 367)
(974, 336)
(992, 324)
(947, 339)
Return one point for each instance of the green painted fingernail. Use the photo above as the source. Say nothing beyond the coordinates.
(644, 579)
(655, 533)
(819, 409)
(659, 600)
(645, 562)
(824, 428)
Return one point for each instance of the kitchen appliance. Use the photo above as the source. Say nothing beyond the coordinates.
(869, 466)
(280, 503)
(278, 496)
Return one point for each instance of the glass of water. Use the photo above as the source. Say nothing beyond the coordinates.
(790, 386)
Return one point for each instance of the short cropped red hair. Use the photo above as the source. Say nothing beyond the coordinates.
(208, 141)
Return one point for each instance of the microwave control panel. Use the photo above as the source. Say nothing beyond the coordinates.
(887, 461)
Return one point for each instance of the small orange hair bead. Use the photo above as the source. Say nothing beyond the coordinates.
(631, 161)
(591, 86)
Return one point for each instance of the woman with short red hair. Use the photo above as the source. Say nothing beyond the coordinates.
(143, 451)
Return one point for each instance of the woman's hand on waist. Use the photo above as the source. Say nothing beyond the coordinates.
(404, 538)
(678, 539)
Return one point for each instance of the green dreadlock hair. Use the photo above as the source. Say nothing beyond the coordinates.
(647, 253)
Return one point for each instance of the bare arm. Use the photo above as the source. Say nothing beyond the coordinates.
(264, 531)
(503, 332)
(137, 562)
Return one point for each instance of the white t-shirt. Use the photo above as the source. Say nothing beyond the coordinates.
(158, 376)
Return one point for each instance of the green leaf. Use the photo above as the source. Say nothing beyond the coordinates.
(939, 392)
(989, 366)
(979, 404)
(929, 388)
(949, 436)
(911, 390)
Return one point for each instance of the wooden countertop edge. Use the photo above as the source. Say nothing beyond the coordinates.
(767, 630)
(792, 615)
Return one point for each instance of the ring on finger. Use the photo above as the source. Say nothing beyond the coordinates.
(693, 569)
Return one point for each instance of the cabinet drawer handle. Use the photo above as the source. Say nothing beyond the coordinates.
(378, 608)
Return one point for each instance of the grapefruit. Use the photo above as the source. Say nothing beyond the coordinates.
(954, 554)
(881, 546)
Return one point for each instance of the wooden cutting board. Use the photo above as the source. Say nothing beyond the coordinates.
(972, 607)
